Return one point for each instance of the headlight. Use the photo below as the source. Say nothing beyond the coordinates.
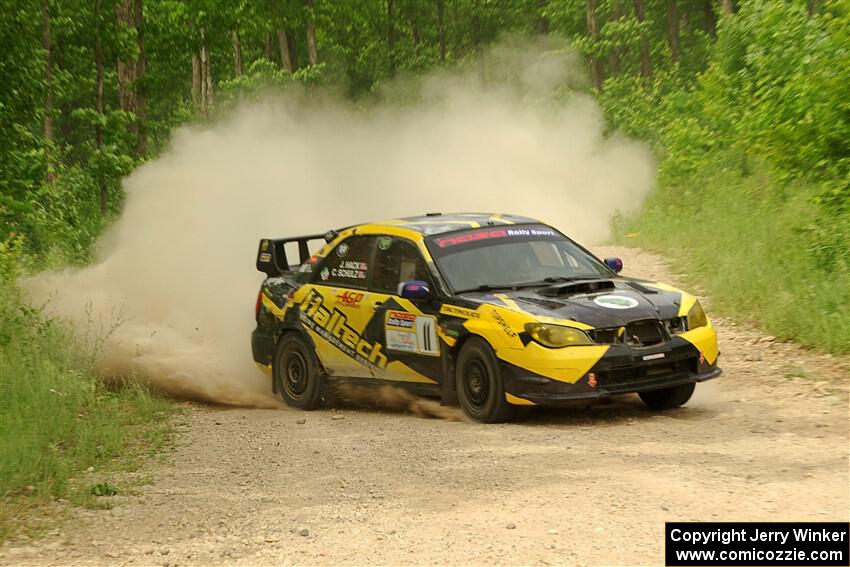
(696, 317)
(556, 336)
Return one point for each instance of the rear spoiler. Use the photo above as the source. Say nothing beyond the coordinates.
(271, 255)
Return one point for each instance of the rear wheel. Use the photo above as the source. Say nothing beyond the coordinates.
(668, 398)
(480, 389)
(296, 371)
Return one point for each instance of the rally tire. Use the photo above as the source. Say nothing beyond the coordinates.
(297, 372)
(668, 398)
(480, 386)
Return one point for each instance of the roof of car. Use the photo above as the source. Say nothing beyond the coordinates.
(438, 223)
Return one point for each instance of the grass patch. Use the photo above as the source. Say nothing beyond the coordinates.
(762, 251)
(59, 424)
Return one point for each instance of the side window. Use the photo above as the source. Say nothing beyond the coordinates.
(349, 263)
(397, 260)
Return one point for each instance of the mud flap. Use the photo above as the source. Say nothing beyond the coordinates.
(448, 391)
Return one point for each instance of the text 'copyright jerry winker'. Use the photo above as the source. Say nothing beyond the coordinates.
(757, 543)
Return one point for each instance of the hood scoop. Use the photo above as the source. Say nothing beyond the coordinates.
(638, 287)
(545, 303)
(576, 288)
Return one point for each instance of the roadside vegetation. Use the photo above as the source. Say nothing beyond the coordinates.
(746, 104)
(754, 169)
(63, 433)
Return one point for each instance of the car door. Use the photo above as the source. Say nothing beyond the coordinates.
(338, 308)
(406, 327)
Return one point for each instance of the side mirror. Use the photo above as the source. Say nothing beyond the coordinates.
(414, 289)
(615, 264)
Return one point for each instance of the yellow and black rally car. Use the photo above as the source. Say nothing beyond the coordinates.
(488, 311)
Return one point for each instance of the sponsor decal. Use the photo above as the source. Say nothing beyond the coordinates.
(342, 250)
(407, 332)
(506, 328)
(333, 327)
(350, 299)
(384, 243)
(400, 319)
(325, 273)
(264, 245)
(403, 341)
(350, 269)
(655, 356)
(456, 311)
(498, 233)
(265, 257)
(615, 301)
(471, 237)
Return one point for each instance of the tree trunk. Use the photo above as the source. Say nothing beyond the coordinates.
(614, 58)
(813, 7)
(709, 17)
(126, 70)
(197, 82)
(237, 53)
(441, 29)
(391, 35)
(596, 70)
(312, 50)
(541, 25)
(728, 8)
(270, 47)
(98, 104)
(288, 55)
(47, 44)
(207, 97)
(645, 63)
(141, 100)
(673, 30)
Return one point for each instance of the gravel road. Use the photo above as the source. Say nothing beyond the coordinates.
(593, 485)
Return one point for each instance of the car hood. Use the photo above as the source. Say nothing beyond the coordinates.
(598, 303)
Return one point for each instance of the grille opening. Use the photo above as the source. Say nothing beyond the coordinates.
(644, 333)
(649, 373)
(639, 333)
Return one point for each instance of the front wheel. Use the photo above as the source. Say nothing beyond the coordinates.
(668, 398)
(297, 372)
(480, 389)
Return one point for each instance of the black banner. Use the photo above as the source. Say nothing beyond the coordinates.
(756, 543)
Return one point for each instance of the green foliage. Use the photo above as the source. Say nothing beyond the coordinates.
(56, 418)
(758, 255)
(754, 163)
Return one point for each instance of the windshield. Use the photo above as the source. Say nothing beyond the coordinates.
(505, 257)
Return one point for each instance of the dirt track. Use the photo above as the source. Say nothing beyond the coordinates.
(767, 441)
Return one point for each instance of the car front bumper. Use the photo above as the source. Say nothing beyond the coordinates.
(621, 370)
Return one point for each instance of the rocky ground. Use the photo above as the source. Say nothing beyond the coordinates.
(584, 485)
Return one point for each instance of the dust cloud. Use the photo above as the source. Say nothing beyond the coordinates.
(179, 263)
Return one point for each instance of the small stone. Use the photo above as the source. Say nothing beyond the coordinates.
(337, 417)
(29, 489)
(303, 532)
(301, 421)
(552, 531)
(511, 526)
(90, 470)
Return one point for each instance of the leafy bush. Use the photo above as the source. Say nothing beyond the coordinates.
(56, 418)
